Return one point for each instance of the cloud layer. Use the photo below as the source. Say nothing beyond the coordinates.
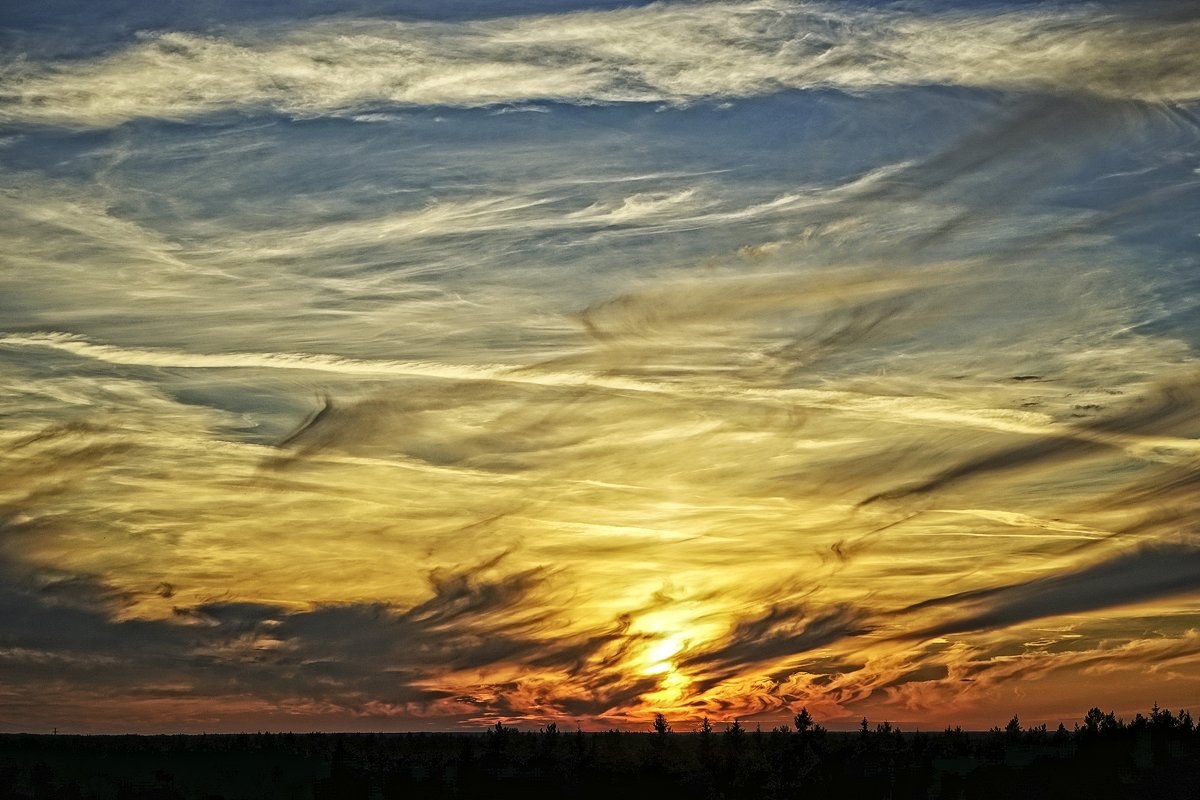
(663, 53)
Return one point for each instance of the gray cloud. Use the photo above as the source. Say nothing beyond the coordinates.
(342, 654)
(1168, 410)
(1147, 573)
(783, 631)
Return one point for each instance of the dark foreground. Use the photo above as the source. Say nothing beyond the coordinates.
(1152, 757)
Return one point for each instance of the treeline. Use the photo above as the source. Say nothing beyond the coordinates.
(1103, 756)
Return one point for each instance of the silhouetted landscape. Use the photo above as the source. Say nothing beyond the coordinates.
(1103, 756)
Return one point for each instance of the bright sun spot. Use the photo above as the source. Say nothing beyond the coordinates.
(658, 656)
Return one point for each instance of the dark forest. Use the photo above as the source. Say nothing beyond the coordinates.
(1103, 756)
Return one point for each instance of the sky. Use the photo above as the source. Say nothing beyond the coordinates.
(417, 366)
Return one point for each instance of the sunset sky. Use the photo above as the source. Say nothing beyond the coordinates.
(410, 365)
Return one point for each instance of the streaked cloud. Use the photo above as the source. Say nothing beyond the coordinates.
(663, 53)
(1143, 575)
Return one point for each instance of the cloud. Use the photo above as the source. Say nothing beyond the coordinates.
(349, 655)
(1168, 410)
(664, 310)
(674, 53)
(784, 631)
(1147, 573)
(160, 357)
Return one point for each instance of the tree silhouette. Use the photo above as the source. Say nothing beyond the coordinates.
(661, 726)
(1162, 719)
(1012, 731)
(1092, 720)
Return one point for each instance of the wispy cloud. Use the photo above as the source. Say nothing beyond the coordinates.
(673, 53)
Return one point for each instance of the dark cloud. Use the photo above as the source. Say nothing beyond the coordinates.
(71, 621)
(343, 654)
(1051, 449)
(1169, 410)
(425, 421)
(459, 592)
(238, 616)
(612, 693)
(784, 630)
(835, 332)
(1148, 573)
(928, 672)
(55, 433)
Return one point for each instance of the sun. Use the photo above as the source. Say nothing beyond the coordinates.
(657, 658)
